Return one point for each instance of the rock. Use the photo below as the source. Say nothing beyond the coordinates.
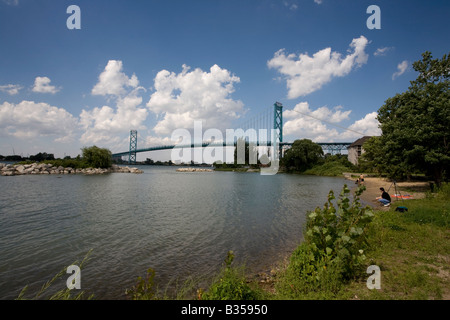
(35, 168)
(194, 170)
(20, 169)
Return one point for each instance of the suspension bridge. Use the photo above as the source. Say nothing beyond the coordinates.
(262, 130)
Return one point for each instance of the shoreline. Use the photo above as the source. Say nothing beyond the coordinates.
(10, 170)
(413, 189)
(267, 277)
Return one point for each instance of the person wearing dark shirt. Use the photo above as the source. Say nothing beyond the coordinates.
(385, 198)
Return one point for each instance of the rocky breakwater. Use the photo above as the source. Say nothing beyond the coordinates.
(194, 170)
(43, 168)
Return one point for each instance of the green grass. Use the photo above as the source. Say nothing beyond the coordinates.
(332, 169)
(413, 251)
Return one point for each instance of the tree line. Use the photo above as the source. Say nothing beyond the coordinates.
(415, 126)
(91, 157)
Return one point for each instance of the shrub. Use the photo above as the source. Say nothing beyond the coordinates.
(97, 157)
(340, 234)
(333, 250)
(231, 284)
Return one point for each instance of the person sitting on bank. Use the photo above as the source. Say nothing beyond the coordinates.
(385, 198)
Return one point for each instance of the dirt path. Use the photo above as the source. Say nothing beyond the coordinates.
(416, 190)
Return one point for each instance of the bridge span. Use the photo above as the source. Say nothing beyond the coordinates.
(272, 120)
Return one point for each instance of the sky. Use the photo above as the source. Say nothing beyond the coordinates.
(71, 79)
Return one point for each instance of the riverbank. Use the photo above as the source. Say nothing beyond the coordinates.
(9, 170)
(409, 190)
(411, 249)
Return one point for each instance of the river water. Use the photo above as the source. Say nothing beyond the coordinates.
(180, 224)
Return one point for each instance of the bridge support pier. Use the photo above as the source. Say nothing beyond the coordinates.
(133, 147)
(278, 127)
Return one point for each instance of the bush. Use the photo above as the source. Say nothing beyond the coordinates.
(333, 250)
(231, 284)
(97, 157)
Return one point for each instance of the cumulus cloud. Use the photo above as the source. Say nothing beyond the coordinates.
(197, 95)
(322, 124)
(318, 1)
(11, 89)
(29, 119)
(106, 124)
(102, 124)
(42, 85)
(305, 74)
(312, 124)
(401, 68)
(382, 51)
(113, 81)
(368, 126)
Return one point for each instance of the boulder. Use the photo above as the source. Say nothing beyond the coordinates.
(20, 169)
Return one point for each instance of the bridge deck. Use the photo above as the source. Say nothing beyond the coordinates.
(338, 145)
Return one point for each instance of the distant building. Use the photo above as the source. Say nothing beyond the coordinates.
(355, 150)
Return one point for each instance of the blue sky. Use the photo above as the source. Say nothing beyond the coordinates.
(156, 66)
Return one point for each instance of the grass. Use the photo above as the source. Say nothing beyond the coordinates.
(331, 169)
(413, 251)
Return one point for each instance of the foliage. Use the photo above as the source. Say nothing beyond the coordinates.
(332, 165)
(66, 163)
(144, 288)
(333, 250)
(340, 234)
(414, 124)
(64, 294)
(250, 155)
(231, 284)
(97, 157)
(42, 156)
(303, 155)
(373, 160)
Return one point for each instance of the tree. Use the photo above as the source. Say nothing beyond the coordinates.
(372, 160)
(97, 157)
(415, 124)
(42, 157)
(303, 155)
(250, 153)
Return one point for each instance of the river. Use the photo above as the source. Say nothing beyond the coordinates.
(180, 224)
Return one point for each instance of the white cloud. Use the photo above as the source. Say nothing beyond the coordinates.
(312, 124)
(151, 141)
(194, 95)
(322, 124)
(367, 126)
(401, 68)
(101, 124)
(42, 85)
(291, 6)
(30, 120)
(107, 125)
(11, 89)
(112, 81)
(305, 74)
(318, 1)
(382, 51)
(11, 2)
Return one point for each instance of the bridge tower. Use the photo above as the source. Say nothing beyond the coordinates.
(278, 126)
(133, 147)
